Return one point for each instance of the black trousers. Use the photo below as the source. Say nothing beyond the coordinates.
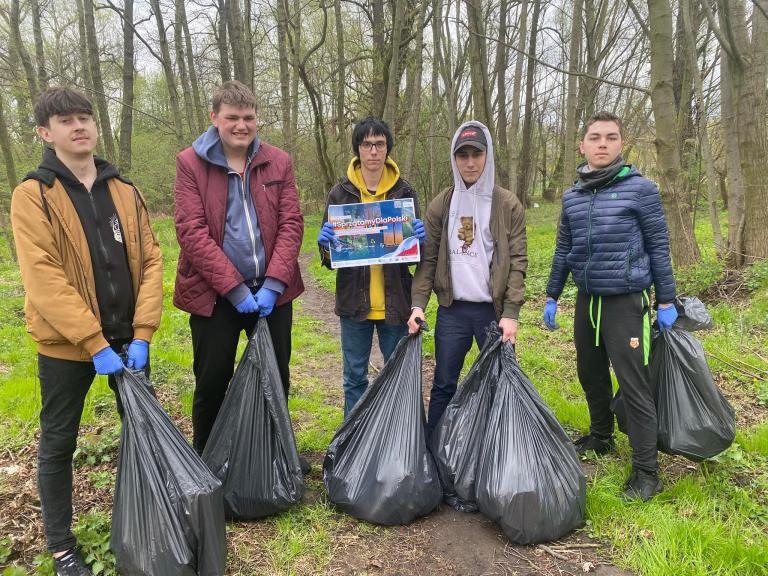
(615, 330)
(64, 385)
(214, 347)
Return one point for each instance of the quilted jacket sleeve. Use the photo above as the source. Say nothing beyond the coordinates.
(290, 229)
(194, 236)
(559, 272)
(653, 225)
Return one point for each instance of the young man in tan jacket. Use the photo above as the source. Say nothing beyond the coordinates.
(475, 260)
(92, 273)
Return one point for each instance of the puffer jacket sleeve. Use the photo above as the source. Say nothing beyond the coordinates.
(48, 290)
(194, 235)
(149, 300)
(290, 229)
(559, 272)
(653, 225)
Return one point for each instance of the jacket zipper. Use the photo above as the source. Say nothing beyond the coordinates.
(250, 224)
(102, 245)
(589, 239)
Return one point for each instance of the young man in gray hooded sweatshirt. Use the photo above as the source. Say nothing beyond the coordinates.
(475, 259)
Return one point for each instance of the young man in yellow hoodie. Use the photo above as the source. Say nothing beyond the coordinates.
(369, 297)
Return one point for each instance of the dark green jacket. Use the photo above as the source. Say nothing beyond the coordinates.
(510, 254)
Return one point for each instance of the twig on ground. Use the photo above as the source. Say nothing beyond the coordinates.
(552, 552)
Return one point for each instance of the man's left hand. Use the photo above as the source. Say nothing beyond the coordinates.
(508, 327)
(666, 316)
(266, 298)
(418, 229)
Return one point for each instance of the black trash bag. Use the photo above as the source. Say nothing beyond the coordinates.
(377, 467)
(692, 315)
(455, 443)
(252, 449)
(695, 420)
(530, 479)
(168, 512)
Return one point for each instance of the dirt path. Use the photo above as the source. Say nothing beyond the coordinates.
(446, 542)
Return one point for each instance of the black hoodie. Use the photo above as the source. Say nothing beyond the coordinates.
(98, 216)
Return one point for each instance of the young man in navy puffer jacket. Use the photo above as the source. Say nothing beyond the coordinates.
(613, 239)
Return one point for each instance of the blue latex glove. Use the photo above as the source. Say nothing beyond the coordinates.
(138, 354)
(326, 236)
(266, 298)
(666, 317)
(247, 305)
(106, 361)
(550, 310)
(418, 228)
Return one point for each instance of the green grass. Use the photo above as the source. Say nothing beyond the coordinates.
(710, 519)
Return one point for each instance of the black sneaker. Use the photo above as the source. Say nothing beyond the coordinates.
(642, 485)
(71, 564)
(306, 467)
(597, 445)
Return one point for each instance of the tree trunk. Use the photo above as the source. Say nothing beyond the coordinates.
(200, 108)
(673, 184)
(99, 95)
(298, 36)
(21, 52)
(126, 113)
(527, 144)
(478, 64)
(341, 122)
(706, 150)
(514, 123)
(170, 77)
(285, 74)
(415, 114)
(379, 79)
(569, 145)
(85, 69)
(42, 74)
(502, 58)
(236, 39)
(436, 19)
(10, 174)
(221, 41)
(393, 79)
(178, 44)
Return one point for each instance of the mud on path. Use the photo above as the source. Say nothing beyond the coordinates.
(446, 542)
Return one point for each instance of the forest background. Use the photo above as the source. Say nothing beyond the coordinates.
(689, 78)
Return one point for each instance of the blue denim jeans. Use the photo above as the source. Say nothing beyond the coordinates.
(455, 327)
(356, 342)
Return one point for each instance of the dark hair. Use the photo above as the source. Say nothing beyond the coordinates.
(60, 102)
(603, 116)
(370, 126)
(234, 93)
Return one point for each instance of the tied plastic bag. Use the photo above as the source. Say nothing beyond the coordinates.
(692, 316)
(252, 449)
(695, 420)
(377, 467)
(458, 437)
(530, 480)
(168, 513)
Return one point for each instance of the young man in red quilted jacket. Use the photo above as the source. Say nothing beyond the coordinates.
(239, 226)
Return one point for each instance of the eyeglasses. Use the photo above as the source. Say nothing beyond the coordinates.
(367, 145)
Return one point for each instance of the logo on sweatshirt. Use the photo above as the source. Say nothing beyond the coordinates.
(116, 232)
(466, 232)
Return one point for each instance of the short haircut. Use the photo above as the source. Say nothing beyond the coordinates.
(234, 93)
(603, 116)
(370, 126)
(60, 102)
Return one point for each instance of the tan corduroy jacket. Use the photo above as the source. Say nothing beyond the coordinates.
(60, 306)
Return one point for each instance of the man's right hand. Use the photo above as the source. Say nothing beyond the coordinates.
(413, 325)
(326, 236)
(550, 310)
(106, 361)
(247, 305)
